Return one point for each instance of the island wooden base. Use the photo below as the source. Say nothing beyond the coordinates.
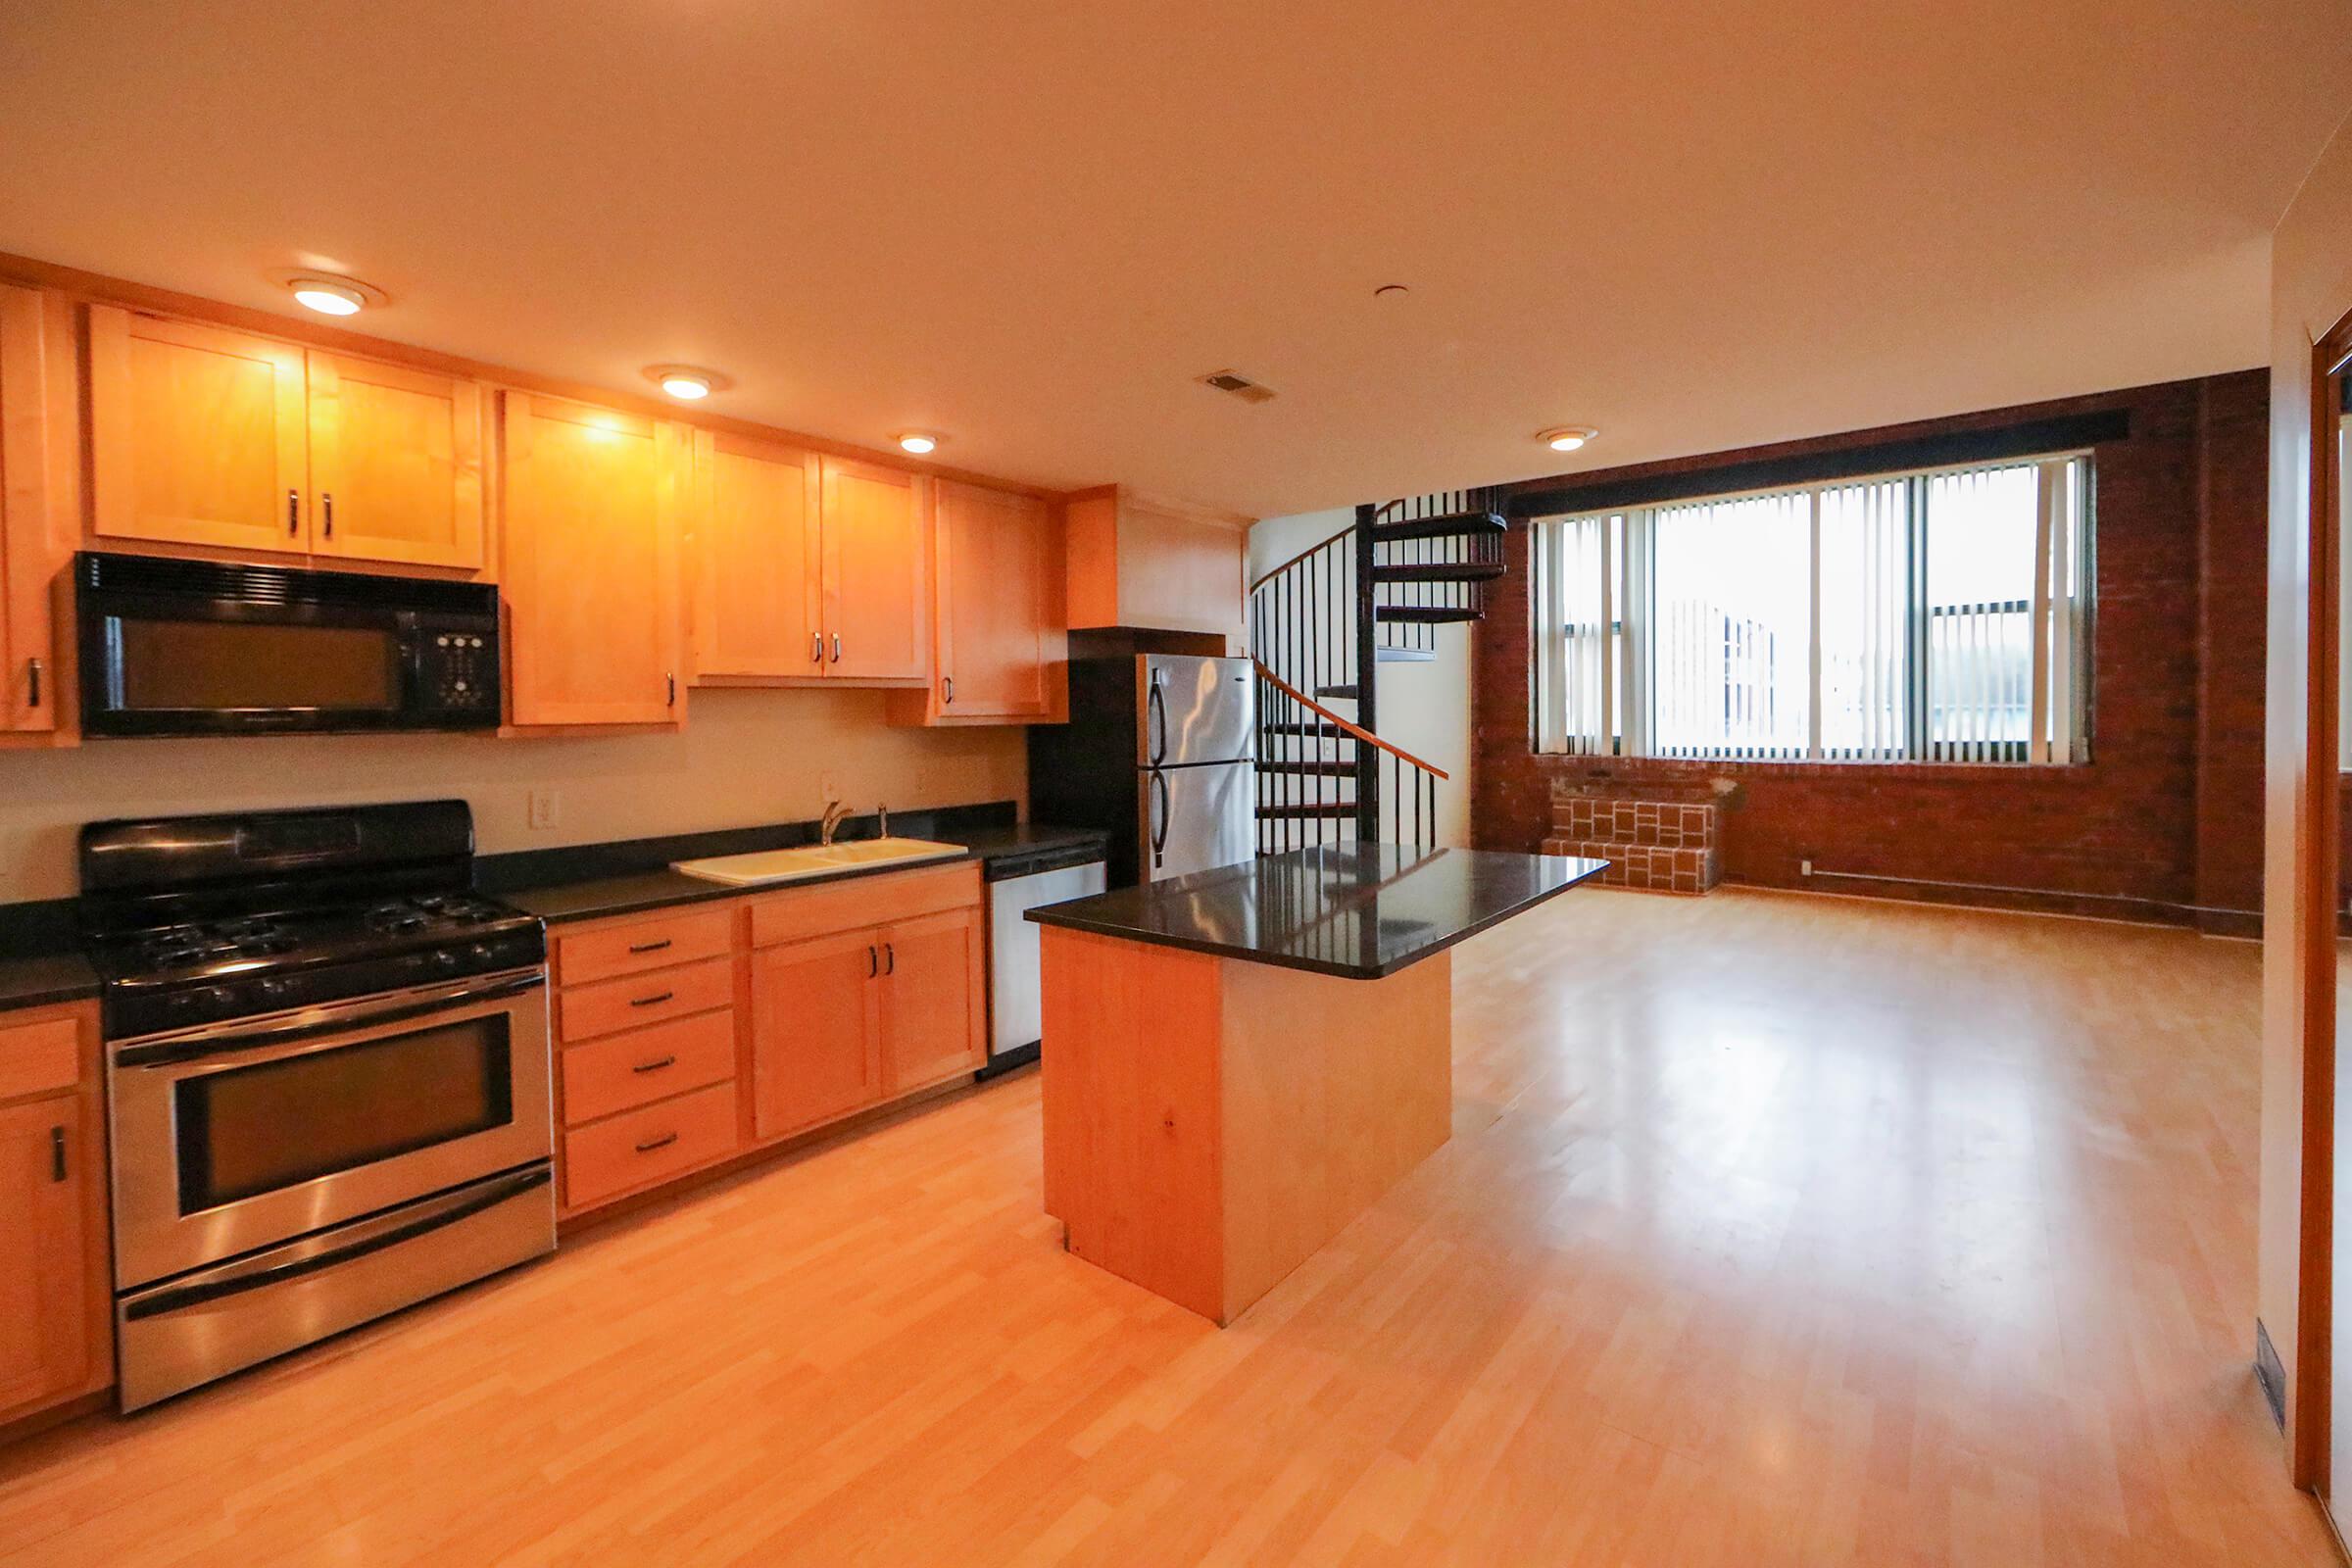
(1212, 1123)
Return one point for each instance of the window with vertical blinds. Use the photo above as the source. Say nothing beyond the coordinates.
(1937, 616)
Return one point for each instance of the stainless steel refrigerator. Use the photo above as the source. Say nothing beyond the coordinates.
(1159, 752)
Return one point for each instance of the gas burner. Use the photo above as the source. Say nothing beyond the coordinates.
(253, 938)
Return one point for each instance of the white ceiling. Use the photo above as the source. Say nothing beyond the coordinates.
(1030, 223)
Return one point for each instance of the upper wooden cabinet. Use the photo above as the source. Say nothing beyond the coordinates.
(809, 568)
(1003, 656)
(396, 458)
(756, 563)
(590, 563)
(1155, 564)
(204, 436)
(37, 524)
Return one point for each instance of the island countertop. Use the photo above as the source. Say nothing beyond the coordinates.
(1358, 912)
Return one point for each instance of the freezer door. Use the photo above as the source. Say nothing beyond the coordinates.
(1195, 710)
(1194, 818)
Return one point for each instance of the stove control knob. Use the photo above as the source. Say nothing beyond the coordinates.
(482, 953)
(279, 991)
(446, 959)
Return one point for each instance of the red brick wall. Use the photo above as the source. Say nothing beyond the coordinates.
(2165, 818)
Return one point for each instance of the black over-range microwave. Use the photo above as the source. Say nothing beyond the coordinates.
(173, 647)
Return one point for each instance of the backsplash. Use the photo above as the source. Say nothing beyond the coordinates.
(748, 756)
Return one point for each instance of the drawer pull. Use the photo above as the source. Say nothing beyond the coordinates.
(57, 1154)
(662, 1142)
(651, 947)
(656, 1066)
(652, 1000)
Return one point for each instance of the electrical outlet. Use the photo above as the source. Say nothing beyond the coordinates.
(545, 807)
(1805, 868)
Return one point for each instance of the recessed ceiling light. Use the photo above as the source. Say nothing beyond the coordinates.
(688, 384)
(1566, 437)
(329, 296)
(919, 442)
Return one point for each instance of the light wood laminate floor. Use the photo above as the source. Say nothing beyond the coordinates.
(1774, 1231)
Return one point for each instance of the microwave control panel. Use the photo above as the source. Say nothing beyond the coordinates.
(458, 670)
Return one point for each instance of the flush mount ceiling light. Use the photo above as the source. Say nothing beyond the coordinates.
(333, 295)
(687, 383)
(1566, 437)
(919, 442)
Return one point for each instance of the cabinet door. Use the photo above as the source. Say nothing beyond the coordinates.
(877, 573)
(197, 435)
(1180, 573)
(396, 459)
(816, 1046)
(36, 520)
(999, 606)
(757, 560)
(590, 552)
(931, 990)
(44, 1274)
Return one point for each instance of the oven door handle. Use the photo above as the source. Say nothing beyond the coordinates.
(254, 1276)
(228, 1039)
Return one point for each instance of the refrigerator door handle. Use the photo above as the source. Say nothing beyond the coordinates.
(1157, 717)
(1159, 819)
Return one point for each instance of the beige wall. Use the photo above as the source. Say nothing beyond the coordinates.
(2310, 289)
(744, 758)
(1424, 708)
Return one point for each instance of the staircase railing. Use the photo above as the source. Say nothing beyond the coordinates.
(1294, 803)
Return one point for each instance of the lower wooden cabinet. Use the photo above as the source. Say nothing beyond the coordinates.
(680, 1050)
(55, 1336)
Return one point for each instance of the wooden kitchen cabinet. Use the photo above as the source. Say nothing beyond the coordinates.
(55, 1331)
(931, 999)
(1143, 563)
(816, 1038)
(1001, 654)
(396, 459)
(592, 503)
(757, 566)
(37, 502)
(204, 436)
(877, 576)
(807, 569)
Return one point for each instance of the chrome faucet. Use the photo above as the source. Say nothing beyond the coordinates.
(835, 814)
(882, 813)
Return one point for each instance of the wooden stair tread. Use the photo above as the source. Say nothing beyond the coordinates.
(1427, 614)
(1446, 526)
(1320, 729)
(1328, 811)
(1310, 767)
(1347, 693)
(1441, 572)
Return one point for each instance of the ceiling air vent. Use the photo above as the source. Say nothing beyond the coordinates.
(1241, 386)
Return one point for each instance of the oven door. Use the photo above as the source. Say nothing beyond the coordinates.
(243, 1133)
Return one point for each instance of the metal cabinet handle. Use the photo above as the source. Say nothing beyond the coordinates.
(949, 684)
(817, 647)
(873, 964)
(326, 507)
(836, 648)
(655, 1066)
(651, 947)
(889, 952)
(673, 690)
(662, 1142)
(293, 513)
(32, 683)
(647, 1001)
(57, 1154)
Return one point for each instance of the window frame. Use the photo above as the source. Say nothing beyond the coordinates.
(2068, 746)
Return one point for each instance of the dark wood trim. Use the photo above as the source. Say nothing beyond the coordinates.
(1647, 485)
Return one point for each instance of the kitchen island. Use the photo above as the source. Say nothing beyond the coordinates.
(1240, 1061)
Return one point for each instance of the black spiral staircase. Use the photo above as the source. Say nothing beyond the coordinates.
(1322, 623)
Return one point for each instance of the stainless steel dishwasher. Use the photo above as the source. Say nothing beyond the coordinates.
(1018, 883)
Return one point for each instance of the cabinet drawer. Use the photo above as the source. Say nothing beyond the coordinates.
(38, 1057)
(647, 1064)
(610, 1005)
(863, 902)
(645, 1146)
(650, 944)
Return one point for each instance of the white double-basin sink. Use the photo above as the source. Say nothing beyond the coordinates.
(814, 860)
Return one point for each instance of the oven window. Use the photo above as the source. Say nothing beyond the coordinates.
(211, 664)
(280, 1123)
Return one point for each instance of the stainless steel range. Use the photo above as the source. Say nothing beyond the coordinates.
(327, 1077)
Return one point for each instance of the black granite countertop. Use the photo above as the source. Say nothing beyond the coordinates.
(631, 892)
(32, 982)
(1359, 912)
